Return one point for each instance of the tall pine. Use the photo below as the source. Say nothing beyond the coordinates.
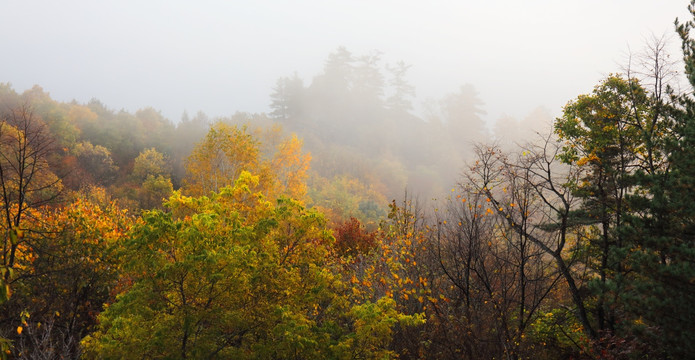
(661, 295)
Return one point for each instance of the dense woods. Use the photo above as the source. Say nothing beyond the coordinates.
(342, 226)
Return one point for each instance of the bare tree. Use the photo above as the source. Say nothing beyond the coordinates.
(26, 181)
(496, 278)
(540, 170)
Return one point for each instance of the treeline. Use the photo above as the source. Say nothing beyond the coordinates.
(127, 235)
(357, 117)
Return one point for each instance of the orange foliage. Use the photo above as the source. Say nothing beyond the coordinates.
(351, 239)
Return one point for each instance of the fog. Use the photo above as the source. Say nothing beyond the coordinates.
(387, 96)
(221, 57)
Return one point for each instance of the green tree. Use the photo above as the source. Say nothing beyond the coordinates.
(286, 99)
(154, 191)
(150, 162)
(602, 140)
(236, 276)
(95, 164)
(401, 90)
(661, 227)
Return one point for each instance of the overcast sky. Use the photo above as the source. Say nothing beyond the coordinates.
(225, 56)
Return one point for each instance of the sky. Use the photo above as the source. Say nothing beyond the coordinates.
(221, 57)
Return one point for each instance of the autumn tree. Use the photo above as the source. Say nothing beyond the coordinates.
(26, 180)
(290, 167)
(601, 139)
(70, 273)
(554, 232)
(351, 239)
(215, 162)
(94, 164)
(233, 275)
(150, 162)
(496, 278)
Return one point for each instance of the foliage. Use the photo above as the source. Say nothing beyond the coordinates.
(95, 164)
(220, 158)
(230, 149)
(150, 162)
(351, 239)
(67, 271)
(233, 275)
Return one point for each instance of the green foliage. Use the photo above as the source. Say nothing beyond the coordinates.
(233, 276)
(154, 191)
(373, 330)
(557, 332)
(96, 163)
(343, 197)
(150, 162)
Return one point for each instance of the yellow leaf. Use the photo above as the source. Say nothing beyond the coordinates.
(19, 330)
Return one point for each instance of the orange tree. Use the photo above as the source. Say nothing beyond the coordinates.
(66, 271)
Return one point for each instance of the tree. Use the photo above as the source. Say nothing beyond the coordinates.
(402, 91)
(229, 149)
(26, 181)
(351, 239)
(490, 254)
(661, 226)
(95, 164)
(290, 168)
(154, 191)
(150, 162)
(540, 169)
(462, 112)
(70, 273)
(232, 275)
(286, 99)
(602, 141)
(215, 162)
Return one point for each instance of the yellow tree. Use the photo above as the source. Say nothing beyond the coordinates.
(290, 167)
(219, 159)
(227, 150)
(26, 181)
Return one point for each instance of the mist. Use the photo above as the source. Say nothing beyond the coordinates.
(223, 57)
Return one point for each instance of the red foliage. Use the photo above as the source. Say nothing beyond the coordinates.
(352, 239)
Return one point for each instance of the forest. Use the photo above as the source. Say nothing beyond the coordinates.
(340, 225)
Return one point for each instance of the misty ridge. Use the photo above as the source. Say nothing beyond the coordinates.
(356, 119)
